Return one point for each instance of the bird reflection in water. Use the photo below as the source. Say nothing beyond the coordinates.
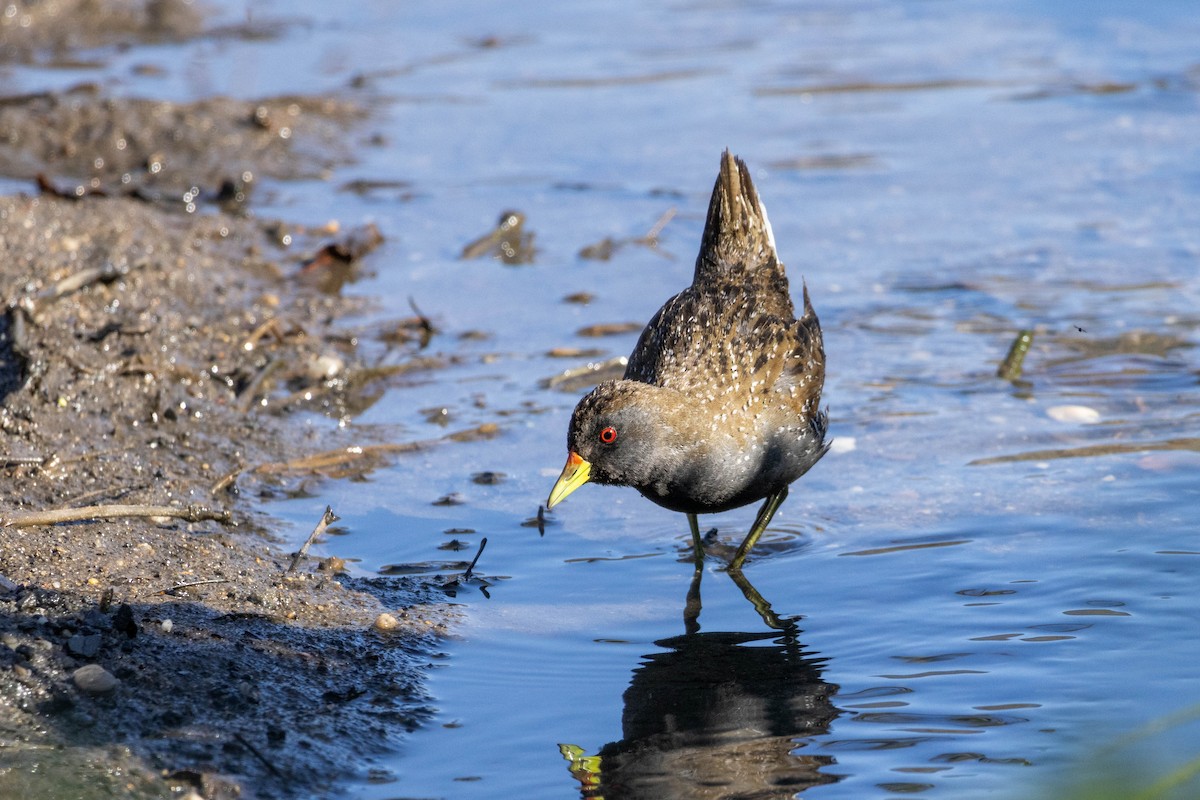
(716, 715)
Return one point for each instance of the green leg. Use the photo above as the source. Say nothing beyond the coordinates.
(763, 519)
(697, 546)
(763, 608)
(691, 608)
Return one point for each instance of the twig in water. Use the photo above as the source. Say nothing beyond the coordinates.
(358, 454)
(191, 513)
(651, 237)
(1010, 367)
(471, 568)
(254, 751)
(330, 459)
(427, 329)
(327, 519)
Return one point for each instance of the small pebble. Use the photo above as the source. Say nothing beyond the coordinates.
(94, 679)
(332, 564)
(1081, 414)
(84, 646)
(324, 367)
(386, 622)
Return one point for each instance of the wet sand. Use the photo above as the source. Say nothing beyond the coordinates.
(162, 347)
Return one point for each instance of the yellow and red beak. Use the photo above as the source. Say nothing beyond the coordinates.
(574, 474)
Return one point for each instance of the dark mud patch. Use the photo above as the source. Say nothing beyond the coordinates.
(225, 673)
(84, 142)
(154, 351)
(52, 31)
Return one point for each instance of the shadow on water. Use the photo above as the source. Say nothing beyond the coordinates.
(716, 715)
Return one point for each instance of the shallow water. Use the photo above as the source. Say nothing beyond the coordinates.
(976, 587)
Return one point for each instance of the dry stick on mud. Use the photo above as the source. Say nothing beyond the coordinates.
(254, 387)
(327, 519)
(73, 283)
(189, 584)
(191, 513)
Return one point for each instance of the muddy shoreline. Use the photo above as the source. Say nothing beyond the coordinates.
(163, 347)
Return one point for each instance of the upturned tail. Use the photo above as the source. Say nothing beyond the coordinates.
(737, 235)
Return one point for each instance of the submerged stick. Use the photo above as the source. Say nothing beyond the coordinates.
(426, 325)
(1010, 367)
(327, 519)
(335, 458)
(265, 761)
(657, 228)
(191, 513)
(475, 560)
(352, 454)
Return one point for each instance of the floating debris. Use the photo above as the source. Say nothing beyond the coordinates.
(509, 242)
(1010, 367)
(588, 375)
(604, 249)
(575, 352)
(826, 161)
(600, 251)
(332, 267)
(357, 460)
(609, 329)
(364, 187)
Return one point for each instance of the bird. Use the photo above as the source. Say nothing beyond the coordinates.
(720, 403)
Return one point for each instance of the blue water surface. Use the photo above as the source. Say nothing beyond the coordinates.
(983, 582)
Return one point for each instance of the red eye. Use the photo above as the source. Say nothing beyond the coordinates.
(608, 435)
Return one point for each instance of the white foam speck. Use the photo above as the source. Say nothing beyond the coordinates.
(843, 444)
(1084, 415)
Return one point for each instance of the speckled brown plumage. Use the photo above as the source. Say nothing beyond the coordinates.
(720, 403)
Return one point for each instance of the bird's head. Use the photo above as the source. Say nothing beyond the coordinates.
(619, 431)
